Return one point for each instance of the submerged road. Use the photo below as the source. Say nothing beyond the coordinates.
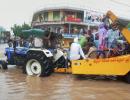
(14, 85)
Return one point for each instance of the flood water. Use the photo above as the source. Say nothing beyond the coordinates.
(14, 85)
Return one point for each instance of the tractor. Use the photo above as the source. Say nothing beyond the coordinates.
(37, 59)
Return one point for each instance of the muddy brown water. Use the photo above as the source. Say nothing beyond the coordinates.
(14, 85)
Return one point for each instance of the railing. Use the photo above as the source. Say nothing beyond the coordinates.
(86, 22)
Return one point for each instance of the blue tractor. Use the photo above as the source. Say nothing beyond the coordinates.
(37, 60)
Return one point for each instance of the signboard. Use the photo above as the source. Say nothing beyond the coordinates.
(70, 35)
(93, 17)
(72, 19)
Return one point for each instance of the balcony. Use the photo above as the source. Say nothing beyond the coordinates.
(67, 20)
(37, 23)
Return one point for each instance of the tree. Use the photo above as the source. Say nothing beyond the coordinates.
(2, 35)
(128, 26)
(17, 29)
(26, 26)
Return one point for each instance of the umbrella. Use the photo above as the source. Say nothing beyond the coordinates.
(33, 32)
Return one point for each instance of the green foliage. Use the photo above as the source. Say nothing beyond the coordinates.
(17, 29)
(26, 26)
(128, 26)
(2, 30)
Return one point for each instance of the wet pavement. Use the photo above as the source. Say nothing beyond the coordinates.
(14, 85)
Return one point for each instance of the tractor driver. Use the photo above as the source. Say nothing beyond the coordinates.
(46, 39)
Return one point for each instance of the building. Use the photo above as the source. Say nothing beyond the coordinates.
(68, 21)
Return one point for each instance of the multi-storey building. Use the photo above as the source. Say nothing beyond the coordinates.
(68, 21)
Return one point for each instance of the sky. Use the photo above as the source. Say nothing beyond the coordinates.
(20, 11)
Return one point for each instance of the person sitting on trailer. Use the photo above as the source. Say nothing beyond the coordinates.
(90, 47)
(83, 40)
(113, 36)
(76, 51)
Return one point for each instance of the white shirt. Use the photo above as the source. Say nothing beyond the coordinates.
(38, 42)
(76, 51)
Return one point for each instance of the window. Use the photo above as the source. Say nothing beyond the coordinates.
(40, 17)
(56, 15)
(80, 15)
(45, 16)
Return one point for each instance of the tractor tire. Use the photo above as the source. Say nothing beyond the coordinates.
(127, 78)
(3, 65)
(38, 64)
(61, 63)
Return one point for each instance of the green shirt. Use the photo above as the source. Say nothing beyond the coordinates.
(82, 41)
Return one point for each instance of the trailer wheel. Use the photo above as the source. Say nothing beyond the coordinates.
(3, 65)
(127, 78)
(121, 78)
(38, 64)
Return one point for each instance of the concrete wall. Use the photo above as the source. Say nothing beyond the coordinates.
(50, 16)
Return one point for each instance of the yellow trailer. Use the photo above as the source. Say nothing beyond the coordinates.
(119, 65)
(106, 66)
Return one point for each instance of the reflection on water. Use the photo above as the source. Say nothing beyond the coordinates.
(17, 86)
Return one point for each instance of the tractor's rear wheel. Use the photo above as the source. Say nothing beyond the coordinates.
(33, 67)
(38, 64)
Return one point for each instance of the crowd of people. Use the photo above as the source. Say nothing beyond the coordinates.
(100, 39)
(89, 40)
(47, 40)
